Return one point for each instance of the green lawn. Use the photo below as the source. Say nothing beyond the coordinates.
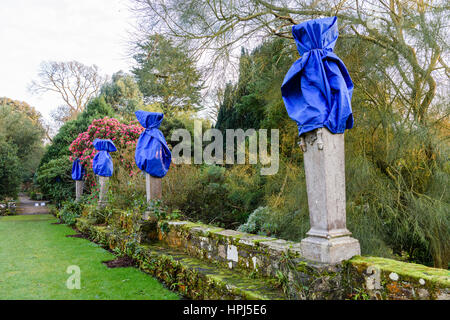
(34, 256)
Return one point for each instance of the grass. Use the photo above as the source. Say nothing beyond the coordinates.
(34, 257)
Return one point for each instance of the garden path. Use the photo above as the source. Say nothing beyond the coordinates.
(29, 207)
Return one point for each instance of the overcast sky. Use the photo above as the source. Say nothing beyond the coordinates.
(89, 31)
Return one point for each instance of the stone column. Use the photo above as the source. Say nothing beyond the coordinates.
(78, 189)
(328, 239)
(153, 188)
(102, 197)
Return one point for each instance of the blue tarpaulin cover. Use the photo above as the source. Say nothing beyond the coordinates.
(317, 89)
(152, 153)
(77, 170)
(102, 164)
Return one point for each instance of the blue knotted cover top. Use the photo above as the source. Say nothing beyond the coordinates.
(102, 164)
(77, 170)
(317, 89)
(152, 153)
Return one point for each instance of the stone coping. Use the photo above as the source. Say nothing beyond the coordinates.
(398, 270)
(251, 252)
(280, 260)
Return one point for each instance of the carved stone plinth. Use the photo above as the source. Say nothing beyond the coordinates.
(104, 185)
(153, 188)
(328, 239)
(78, 190)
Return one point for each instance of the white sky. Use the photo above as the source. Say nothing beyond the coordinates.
(89, 31)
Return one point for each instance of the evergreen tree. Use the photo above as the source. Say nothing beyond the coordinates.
(167, 75)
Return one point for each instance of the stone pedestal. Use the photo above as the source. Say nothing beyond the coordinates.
(102, 197)
(328, 239)
(153, 188)
(78, 189)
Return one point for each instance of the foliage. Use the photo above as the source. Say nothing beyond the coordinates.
(124, 136)
(31, 112)
(100, 215)
(73, 81)
(9, 170)
(70, 211)
(20, 131)
(409, 38)
(123, 94)
(167, 75)
(244, 105)
(256, 222)
(55, 180)
(211, 194)
(96, 108)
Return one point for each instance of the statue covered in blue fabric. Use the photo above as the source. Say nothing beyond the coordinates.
(77, 170)
(102, 164)
(317, 89)
(152, 153)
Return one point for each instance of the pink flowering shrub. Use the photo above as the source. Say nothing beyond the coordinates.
(124, 136)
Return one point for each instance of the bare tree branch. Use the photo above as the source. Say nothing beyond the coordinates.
(75, 82)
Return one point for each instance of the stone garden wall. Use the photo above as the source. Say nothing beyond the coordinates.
(257, 257)
(368, 277)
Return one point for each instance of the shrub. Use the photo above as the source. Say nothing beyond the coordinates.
(70, 211)
(97, 108)
(100, 215)
(55, 181)
(9, 170)
(256, 222)
(124, 136)
(212, 194)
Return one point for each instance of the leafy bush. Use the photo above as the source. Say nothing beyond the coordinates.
(26, 135)
(124, 136)
(70, 211)
(256, 222)
(55, 181)
(9, 170)
(212, 194)
(95, 109)
(100, 215)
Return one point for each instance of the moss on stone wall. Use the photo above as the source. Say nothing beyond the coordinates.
(206, 262)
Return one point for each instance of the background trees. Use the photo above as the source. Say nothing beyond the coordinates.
(123, 94)
(9, 170)
(409, 35)
(166, 74)
(73, 81)
(21, 148)
(397, 163)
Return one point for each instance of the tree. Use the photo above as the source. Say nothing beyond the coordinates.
(123, 94)
(167, 75)
(75, 82)
(26, 137)
(9, 169)
(34, 115)
(55, 180)
(96, 108)
(409, 34)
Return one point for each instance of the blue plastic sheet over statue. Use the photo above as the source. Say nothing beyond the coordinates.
(317, 89)
(77, 170)
(152, 153)
(102, 164)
